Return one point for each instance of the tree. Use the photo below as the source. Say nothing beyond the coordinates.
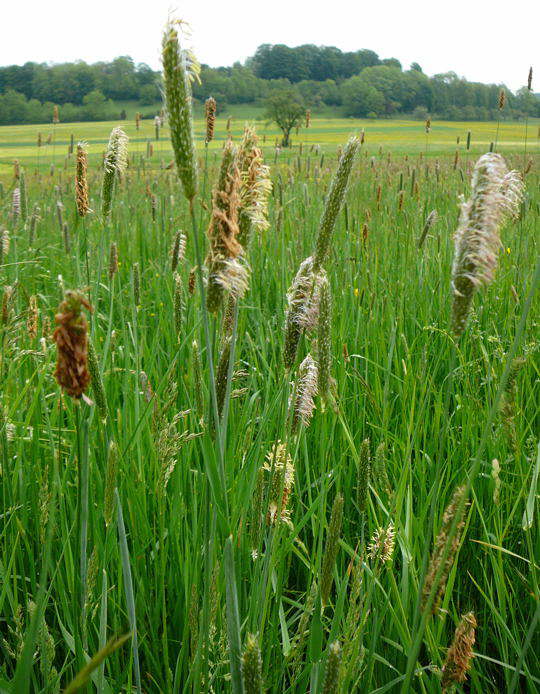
(148, 94)
(361, 98)
(286, 108)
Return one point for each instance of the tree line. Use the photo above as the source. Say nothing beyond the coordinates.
(357, 84)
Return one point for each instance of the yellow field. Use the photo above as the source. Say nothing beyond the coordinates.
(20, 141)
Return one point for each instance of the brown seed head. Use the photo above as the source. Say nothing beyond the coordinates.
(81, 182)
(460, 653)
(210, 115)
(71, 337)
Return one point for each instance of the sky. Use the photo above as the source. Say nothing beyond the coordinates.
(480, 40)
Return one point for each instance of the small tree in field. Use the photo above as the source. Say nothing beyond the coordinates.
(285, 108)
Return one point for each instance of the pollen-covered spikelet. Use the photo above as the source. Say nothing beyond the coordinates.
(460, 654)
(306, 390)
(331, 548)
(210, 117)
(382, 544)
(81, 181)
(303, 307)
(178, 250)
(255, 187)
(226, 271)
(333, 201)
(436, 563)
(252, 666)
(494, 198)
(180, 68)
(114, 165)
(331, 674)
(280, 467)
(71, 337)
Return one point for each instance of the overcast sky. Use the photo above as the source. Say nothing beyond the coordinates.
(486, 41)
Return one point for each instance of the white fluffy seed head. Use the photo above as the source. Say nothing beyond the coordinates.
(477, 239)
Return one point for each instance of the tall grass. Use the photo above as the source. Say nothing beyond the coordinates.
(252, 553)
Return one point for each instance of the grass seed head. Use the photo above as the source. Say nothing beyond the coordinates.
(334, 200)
(114, 165)
(382, 544)
(252, 666)
(81, 181)
(180, 68)
(333, 664)
(495, 196)
(71, 337)
(306, 390)
(280, 467)
(436, 560)
(210, 117)
(460, 654)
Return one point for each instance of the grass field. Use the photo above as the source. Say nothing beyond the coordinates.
(20, 141)
(128, 513)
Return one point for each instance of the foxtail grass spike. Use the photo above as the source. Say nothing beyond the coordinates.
(460, 654)
(306, 390)
(114, 165)
(180, 67)
(81, 181)
(252, 666)
(333, 201)
(226, 270)
(331, 674)
(71, 337)
(495, 197)
(210, 117)
(436, 560)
